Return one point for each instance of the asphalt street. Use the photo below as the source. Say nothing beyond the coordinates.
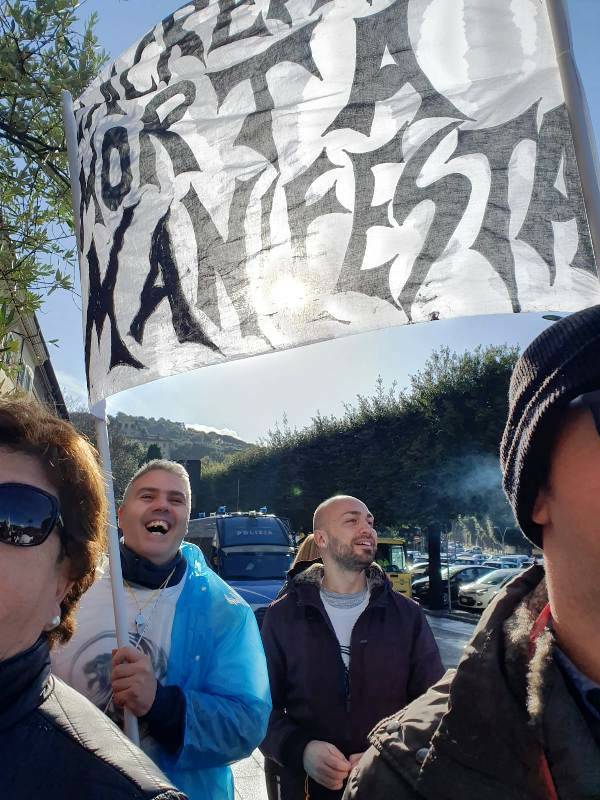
(451, 636)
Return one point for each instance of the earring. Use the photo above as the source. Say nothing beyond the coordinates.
(55, 621)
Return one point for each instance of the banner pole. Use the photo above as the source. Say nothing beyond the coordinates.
(583, 136)
(98, 411)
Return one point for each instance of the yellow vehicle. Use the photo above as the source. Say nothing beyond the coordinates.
(391, 557)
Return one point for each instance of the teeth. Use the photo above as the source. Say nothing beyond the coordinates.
(157, 527)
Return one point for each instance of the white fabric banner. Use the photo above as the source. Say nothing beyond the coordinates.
(261, 174)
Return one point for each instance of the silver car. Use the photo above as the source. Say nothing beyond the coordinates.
(477, 596)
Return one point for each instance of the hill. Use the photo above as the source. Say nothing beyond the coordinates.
(176, 440)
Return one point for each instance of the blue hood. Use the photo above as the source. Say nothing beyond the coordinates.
(257, 593)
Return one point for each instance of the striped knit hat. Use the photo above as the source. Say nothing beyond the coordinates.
(562, 363)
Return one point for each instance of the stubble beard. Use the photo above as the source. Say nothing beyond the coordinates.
(347, 559)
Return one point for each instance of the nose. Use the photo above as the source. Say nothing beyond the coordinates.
(367, 527)
(161, 503)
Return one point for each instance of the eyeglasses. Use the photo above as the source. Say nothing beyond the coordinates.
(27, 514)
(589, 400)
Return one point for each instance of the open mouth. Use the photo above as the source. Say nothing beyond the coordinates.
(364, 543)
(158, 527)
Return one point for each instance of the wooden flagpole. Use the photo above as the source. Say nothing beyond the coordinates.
(98, 410)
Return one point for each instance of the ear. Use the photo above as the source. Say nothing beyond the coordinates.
(319, 538)
(63, 587)
(541, 509)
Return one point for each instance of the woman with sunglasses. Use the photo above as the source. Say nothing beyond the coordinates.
(53, 742)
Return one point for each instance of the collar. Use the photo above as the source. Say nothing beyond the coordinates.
(24, 682)
(137, 569)
(308, 583)
(587, 689)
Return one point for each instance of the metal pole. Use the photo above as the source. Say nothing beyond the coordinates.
(448, 568)
(99, 412)
(575, 100)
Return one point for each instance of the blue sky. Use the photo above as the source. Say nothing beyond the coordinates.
(246, 397)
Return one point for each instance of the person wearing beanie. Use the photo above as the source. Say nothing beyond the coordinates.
(520, 717)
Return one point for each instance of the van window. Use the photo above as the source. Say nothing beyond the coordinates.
(252, 530)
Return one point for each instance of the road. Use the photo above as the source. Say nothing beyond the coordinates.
(451, 636)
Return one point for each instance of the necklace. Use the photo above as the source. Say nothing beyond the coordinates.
(142, 622)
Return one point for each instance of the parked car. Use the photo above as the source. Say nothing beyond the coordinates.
(468, 560)
(514, 560)
(533, 560)
(478, 595)
(421, 569)
(458, 574)
(493, 563)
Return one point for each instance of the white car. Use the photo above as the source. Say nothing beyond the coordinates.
(477, 596)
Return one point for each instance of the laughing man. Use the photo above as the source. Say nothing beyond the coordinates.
(194, 673)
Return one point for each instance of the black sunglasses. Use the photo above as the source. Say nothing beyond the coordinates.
(27, 514)
(589, 400)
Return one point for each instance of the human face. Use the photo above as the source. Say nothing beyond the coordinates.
(568, 507)
(347, 535)
(33, 582)
(157, 497)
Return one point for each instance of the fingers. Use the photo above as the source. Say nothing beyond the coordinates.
(126, 654)
(125, 671)
(334, 768)
(122, 684)
(336, 760)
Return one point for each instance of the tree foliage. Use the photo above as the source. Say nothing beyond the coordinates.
(153, 452)
(418, 457)
(42, 52)
(126, 454)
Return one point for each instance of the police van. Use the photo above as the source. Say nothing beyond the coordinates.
(251, 550)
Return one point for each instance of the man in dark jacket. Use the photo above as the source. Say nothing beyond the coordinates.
(343, 650)
(520, 719)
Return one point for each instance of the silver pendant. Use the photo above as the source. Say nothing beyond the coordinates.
(140, 623)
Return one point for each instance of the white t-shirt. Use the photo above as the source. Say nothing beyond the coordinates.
(85, 661)
(343, 610)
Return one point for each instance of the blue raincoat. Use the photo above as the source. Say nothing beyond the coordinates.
(218, 661)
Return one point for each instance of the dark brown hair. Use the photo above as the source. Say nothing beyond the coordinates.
(71, 465)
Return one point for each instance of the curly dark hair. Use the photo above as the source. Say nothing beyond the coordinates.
(71, 465)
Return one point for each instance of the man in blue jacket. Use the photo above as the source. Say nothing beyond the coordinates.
(195, 672)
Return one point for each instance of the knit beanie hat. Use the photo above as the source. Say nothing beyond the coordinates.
(562, 363)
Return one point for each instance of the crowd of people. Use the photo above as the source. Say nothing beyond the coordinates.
(343, 688)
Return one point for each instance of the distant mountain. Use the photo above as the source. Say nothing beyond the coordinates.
(176, 441)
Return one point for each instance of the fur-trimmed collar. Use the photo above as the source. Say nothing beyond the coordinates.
(314, 575)
(517, 630)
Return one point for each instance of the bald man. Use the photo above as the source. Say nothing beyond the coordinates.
(343, 651)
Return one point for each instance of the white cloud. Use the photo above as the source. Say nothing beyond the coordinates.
(208, 429)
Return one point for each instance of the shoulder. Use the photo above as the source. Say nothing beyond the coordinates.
(101, 751)
(203, 582)
(408, 610)
(406, 603)
(283, 607)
